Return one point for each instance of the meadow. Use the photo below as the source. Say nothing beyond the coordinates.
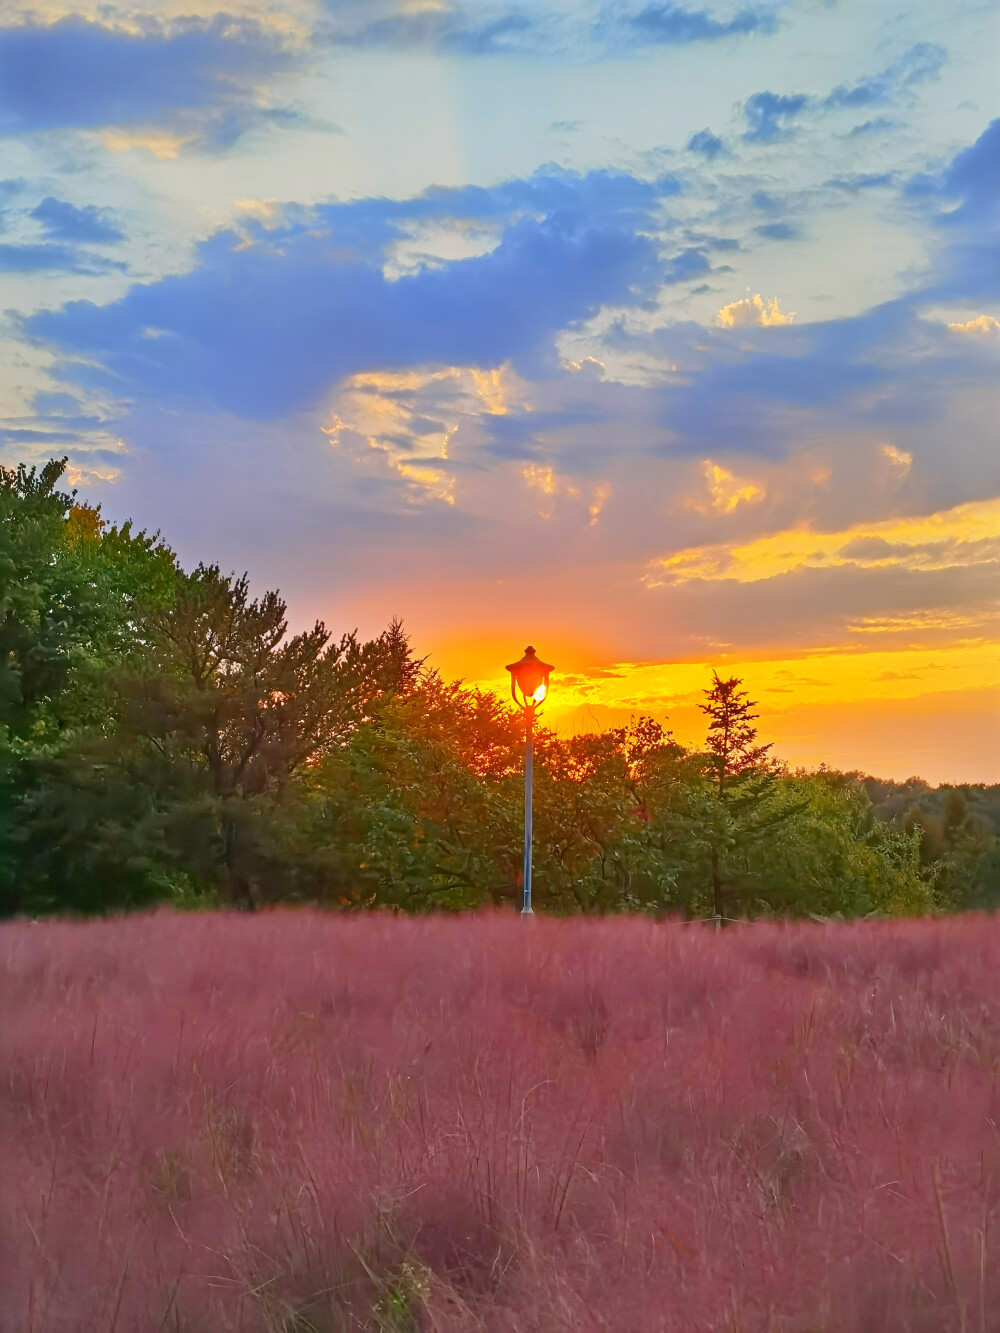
(301, 1121)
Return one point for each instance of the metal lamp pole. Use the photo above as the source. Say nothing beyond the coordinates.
(529, 684)
(529, 733)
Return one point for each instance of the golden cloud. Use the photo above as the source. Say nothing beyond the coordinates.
(964, 536)
(977, 327)
(159, 143)
(924, 622)
(408, 419)
(726, 491)
(543, 477)
(753, 312)
(602, 492)
(88, 476)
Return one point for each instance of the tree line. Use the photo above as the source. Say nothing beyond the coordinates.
(164, 738)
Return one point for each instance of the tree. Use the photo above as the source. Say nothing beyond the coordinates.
(736, 762)
(71, 592)
(45, 606)
(958, 848)
(607, 839)
(742, 779)
(832, 856)
(228, 694)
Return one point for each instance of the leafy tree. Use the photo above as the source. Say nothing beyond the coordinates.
(604, 844)
(958, 848)
(832, 856)
(429, 799)
(71, 592)
(237, 702)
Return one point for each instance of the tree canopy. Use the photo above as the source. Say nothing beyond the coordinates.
(165, 737)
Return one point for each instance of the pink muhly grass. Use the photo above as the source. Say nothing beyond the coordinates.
(295, 1121)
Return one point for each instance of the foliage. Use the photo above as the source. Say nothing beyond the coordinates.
(74, 595)
(959, 849)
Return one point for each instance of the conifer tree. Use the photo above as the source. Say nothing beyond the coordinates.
(735, 757)
(742, 776)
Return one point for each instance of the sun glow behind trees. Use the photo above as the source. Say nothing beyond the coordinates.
(164, 736)
(818, 704)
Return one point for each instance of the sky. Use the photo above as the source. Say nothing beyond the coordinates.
(665, 337)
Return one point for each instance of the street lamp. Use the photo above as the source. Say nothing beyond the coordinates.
(529, 684)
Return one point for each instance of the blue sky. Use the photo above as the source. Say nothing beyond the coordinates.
(663, 335)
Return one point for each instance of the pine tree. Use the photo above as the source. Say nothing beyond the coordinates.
(742, 776)
(735, 757)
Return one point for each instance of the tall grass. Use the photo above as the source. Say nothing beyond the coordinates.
(302, 1122)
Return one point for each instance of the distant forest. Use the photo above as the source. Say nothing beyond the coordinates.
(164, 739)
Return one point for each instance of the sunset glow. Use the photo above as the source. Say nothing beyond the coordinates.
(665, 336)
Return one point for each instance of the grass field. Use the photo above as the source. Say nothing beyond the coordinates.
(293, 1121)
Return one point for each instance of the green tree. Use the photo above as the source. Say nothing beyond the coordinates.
(832, 856)
(958, 848)
(71, 593)
(240, 705)
(742, 778)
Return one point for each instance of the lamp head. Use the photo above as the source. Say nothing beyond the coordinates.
(529, 679)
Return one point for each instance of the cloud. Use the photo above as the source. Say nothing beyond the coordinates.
(726, 491)
(978, 326)
(67, 222)
(965, 536)
(864, 180)
(268, 320)
(885, 370)
(405, 423)
(875, 125)
(974, 177)
(452, 30)
(201, 76)
(900, 459)
(967, 192)
(753, 312)
(161, 144)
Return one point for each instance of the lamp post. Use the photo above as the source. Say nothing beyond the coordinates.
(529, 684)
